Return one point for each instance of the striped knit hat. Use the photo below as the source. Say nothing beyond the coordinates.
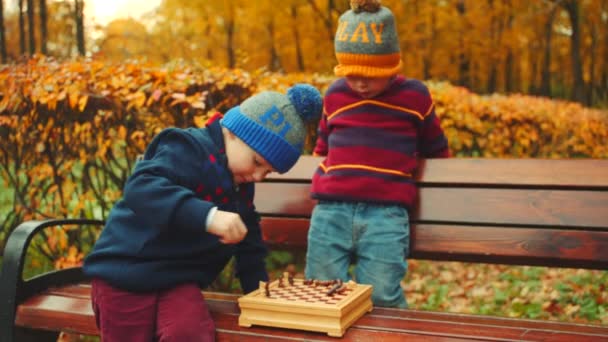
(366, 41)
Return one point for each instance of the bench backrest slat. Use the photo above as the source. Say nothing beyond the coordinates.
(536, 212)
(528, 173)
(531, 173)
(510, 207)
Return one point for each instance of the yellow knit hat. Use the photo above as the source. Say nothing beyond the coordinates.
(366, 42)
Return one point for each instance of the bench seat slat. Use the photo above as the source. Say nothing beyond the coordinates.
(57, 313)
(72, 312)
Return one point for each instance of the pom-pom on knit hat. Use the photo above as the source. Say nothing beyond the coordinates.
(366, 42)
(274, 124)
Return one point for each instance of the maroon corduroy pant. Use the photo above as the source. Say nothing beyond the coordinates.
(176, 314)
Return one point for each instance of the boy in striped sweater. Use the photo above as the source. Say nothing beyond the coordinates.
(375, 126)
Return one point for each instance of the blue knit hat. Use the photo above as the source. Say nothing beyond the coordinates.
(274, 124)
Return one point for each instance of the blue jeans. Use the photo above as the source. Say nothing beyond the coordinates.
(375, 237)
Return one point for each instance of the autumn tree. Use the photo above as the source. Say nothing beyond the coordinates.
(61, 29)
(43, 9)
(30, 27)
(2, 34)
(545, 86)
(21, 28)
(572, 8)
(124, 39)
(79, 20)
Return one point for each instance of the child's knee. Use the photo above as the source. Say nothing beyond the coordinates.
(204, 332)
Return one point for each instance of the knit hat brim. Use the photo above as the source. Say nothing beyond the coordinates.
(368, 65)
(276, 150)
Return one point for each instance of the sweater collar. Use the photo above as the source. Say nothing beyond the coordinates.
(215, 132)
(217, 136)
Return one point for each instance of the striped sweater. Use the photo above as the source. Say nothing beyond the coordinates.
(372, 145)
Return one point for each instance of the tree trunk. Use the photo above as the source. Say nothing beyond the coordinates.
(464, 64)
(534, 61)
(296, 38)
(578, 86)
(275, 61)
(430, 55)
(604, 79)
(208, 33)
(495, 32)
(21, 29)
(30, 26)
(590, 89)
(509, 59)
(79, 20)
(230, 43)
(43, 26)
(2, 34)
(326, 18)
(545, 85)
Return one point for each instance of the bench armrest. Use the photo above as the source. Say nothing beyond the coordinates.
(13, 289)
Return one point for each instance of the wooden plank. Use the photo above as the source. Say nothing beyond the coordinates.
(394, 325)
(519, 246)
(563, 173)
(283, 199)
(493, 244)
(57, 313)
(76, 291)
(593, 329)
(52, 312)
(554, 208)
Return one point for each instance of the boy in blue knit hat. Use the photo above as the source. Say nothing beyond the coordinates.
(186, 210)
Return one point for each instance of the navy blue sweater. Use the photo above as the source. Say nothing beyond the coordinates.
(155, 237)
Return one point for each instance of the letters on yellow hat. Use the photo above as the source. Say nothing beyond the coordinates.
(361, 33)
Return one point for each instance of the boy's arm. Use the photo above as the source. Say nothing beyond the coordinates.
(155, 192)
(322, 133)
(433, 142)
(252, 251)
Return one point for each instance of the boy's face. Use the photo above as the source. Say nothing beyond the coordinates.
(245, 164)
(368, 87)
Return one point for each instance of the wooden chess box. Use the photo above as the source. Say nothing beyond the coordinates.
(305, 306)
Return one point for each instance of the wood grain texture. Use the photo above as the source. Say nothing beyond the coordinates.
(563, 173)
(555, 208)
(69, 309)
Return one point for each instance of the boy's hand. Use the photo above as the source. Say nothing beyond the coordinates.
(228, 226)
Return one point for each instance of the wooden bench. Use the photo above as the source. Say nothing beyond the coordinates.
(519, 212)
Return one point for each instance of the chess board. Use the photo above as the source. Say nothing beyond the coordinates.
(300, 305)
